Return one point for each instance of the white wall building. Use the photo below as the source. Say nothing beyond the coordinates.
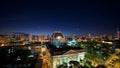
(71, 55)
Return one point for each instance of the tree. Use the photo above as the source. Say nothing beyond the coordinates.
(88, 64)
(64, 65)
(75, 64)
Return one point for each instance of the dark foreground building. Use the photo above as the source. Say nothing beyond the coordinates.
(18, 57)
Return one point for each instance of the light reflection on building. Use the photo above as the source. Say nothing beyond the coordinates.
(71, 55)
(57, 39)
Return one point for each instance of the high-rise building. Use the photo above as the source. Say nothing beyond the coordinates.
(73, 36)
(118, 33)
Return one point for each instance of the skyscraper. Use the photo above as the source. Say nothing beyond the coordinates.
(118, 33)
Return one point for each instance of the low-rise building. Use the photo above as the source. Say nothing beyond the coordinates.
(59, 56)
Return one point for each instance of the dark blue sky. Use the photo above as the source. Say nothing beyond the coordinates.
(44, 17)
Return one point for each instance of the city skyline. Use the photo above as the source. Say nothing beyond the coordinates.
(78, 17)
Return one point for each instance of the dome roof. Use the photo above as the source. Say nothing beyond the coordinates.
(57, 34)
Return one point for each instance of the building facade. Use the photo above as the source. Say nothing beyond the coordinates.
(67, 57)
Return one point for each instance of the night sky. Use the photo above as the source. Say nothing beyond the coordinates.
(44, 17)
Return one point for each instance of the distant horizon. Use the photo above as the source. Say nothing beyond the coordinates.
(92, 34)
(71, 17)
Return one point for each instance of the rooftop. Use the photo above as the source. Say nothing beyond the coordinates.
(65, 50)
(57, 33)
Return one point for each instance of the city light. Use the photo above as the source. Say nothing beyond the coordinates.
(58, 37)
(59, 34)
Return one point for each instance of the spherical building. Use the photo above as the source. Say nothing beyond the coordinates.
(57, 39)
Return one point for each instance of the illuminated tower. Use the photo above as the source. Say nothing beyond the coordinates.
(57, 39)
(73, 36)
(118, 33)
(89, 35)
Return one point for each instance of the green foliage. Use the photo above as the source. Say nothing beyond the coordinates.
(88, 64)
(97, 50)
(64, 65)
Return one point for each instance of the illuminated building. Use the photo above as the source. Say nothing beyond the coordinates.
(57, 39)
(118, 34)
(71, 42)
(41, 38)
(60, 56)
(33, 38)
(73, 36)
(111, 37)
(44, 38)
(89, 35)
(30, 38)
(4, 41)
(20, 36)
(79, 40)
